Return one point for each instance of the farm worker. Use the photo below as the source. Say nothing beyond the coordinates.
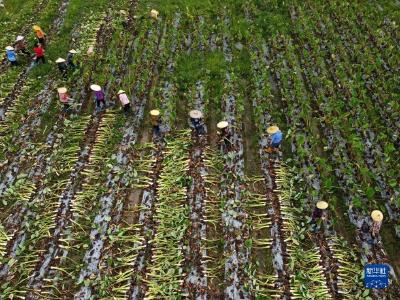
(377, 217)
(90, 50)
(20, 45)
(62, 66)
(99, 96)
(11, 56)
(154, 14)
(125, 19)
(40, 35)
(39, 53)
(196, 120)
(155, 120)
(276, 138)
(123, 98)
(223, 132)
(70, 59)
(63, 96)
(319, 214)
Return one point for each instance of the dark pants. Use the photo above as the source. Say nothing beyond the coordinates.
(100, 103)
(71, 65)
(41, 58)
(14, 63)
(156, 129)
(199, 129)
(42, 41)
(127, 107)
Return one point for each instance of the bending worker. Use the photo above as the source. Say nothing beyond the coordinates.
(196, 121)
(40, 35)
(20, 45)
(319, 215)
(224, 135)
(98, 96)
(123, 98)
(62, 66)
(155, 120)
(11, 56)
(64, 97)
(276, 139)
(377, 218)
(70, 59)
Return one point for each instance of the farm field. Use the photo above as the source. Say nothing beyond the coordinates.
(97, 204)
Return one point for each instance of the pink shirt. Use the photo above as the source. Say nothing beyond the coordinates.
(63, 97)
(123, 98)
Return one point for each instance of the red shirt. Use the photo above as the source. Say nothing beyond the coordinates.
(38, 51)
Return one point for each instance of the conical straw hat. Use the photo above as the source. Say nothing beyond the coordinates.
(322, 205)
(62, 90)
(95, 87)
(155, 112)
(73, 51)
(222, 124)
(154, 14)
(377, 215)
(19, 38)
(195, 114)
(36, 27)
(60, 60)
(9, 48)
(272, 129)
(121, 92)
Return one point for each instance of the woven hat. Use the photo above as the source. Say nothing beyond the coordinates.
(9, 48)
(60, 60)
(154, 14)
(19, 38)
(95, 87)
(195, 114)
(121, 92)
(62, 90)
(155, 112)
(222, 124)
(322, 205)
(377, 215)
(272, 129)
(36, 27)
(73, 51)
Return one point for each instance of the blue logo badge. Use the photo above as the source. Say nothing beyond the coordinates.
(376, 276)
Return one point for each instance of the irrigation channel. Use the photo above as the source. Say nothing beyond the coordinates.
(105, 204)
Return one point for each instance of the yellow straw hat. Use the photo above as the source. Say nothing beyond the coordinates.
(154, 14)
(377, 215)
(9, 48)
(155, 112)
(195, 114)
(272, 129)
(222, 124)
(322, 205)
(95, 87)
(62, 90)
(121, 92)
(73, 51)
(36, 27)
(60, 60)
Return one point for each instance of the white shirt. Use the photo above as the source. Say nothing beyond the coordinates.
(123, 98)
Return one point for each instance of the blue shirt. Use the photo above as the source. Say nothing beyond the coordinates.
(276, 138)
(11, 56)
